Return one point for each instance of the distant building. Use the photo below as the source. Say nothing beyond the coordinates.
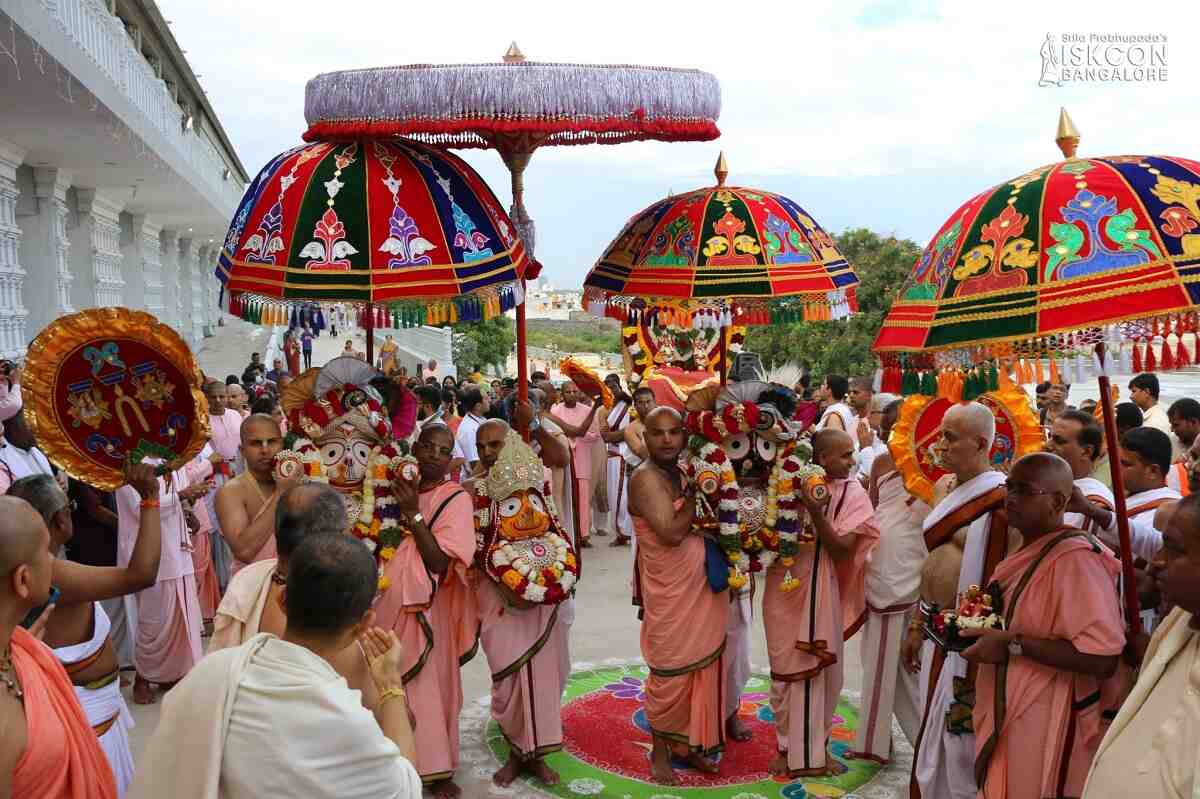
(547, 302)
(117, 181)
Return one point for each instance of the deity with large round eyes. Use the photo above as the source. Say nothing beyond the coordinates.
(345, 455)
(522, 515)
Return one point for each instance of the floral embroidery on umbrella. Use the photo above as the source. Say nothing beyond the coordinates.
(266, 241)
(675, 245)
(330, 249)
(785, 245)
(1179, 220)
(404, 238)
(1000, 262)
(1135, 246)
(468, 238)
(731, 247)
(931, 272)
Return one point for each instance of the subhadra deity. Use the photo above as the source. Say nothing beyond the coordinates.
(749, 468)
(521, 542)
(346, 441)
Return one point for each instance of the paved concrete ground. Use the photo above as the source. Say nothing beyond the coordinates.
(606, 626)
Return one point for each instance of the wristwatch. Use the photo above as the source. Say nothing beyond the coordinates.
(417, 518)
(1015, 650)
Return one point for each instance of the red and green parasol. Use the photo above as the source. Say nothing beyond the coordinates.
(1075, 263)
(721, 256)
(375, 222)
(514, 107)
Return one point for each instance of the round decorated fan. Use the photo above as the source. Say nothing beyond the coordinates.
(342, 370)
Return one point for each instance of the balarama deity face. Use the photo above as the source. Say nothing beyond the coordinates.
(522, 515)
(345, 452)
(753, 455)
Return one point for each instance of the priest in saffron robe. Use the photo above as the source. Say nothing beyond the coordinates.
(1040, 692)
(47, 750)
(520, 630)
(684, 702)
(430, 605)
(967, 537)
(807, 625)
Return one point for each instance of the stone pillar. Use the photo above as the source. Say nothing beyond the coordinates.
(141, 248)
(170, 278)
(98, 238)
(45, 248)
(187, 262)
(200, 278)
(12, 276)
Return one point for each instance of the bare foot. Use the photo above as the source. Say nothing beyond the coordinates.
(585, 544)
(778, 767)
(541, 772)
(736, 730)
(620, 541)
(143, 692)
(508, 772)
(818, 771)
(660, 765)
(445, 789)
(601, 533)
(701, 763)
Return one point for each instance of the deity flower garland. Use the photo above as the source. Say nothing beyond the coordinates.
(521, 565)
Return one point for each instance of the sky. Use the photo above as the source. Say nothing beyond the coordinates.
(886, 115)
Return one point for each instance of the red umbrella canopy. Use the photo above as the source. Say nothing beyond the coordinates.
(722, 243)
(371, 220)
(1064, 249)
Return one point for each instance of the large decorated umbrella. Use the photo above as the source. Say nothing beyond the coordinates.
(1074, 264)
(371, 221)
(515, 107)
(718, 257)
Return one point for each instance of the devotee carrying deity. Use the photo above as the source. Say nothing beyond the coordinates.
(1151, 748)
(429, 603)
(1040, 692)
(48, 750)
(246, 504)
(517, 535)
(683, 689)
(258, 720)
(807, 624)
(967, 536)
(78, 629)
(893, 587)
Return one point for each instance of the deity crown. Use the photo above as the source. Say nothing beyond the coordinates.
(518, 467)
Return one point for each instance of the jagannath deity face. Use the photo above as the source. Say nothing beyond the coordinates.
(753, 456)
(345, 453)
(522, 515)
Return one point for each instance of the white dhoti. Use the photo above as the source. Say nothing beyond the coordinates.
(893, 587)
(618, 495)
(168, 630)
(121, 632)
(101, 700)
(737, 651)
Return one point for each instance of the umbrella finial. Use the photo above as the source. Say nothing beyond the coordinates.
(1067, 138)
(721, 170)
(514, 54)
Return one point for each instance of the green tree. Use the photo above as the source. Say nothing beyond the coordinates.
(844, 346)
(483, 343)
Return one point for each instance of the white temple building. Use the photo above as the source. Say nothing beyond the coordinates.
(117, 181)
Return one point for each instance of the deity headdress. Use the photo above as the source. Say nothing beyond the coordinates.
(526, 550)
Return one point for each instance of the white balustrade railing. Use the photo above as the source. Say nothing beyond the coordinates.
(102, 36)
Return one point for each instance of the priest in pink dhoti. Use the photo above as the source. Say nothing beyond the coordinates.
(806, 624)
(576, 415)
(526, 569)
(429, 603)
(1045, 680)
(166, 617)
(226, 438)
(684, 620)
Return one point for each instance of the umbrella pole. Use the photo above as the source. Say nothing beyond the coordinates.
(516, 163)
(722, 353)
(1132, 609)
(370, 328)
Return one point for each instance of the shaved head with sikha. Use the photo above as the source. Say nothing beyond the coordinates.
(24, 556)
(489, 441)
(833, 450)
(965, 440)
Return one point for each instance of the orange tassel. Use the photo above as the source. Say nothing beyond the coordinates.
(1038, 373)
(1054, 371)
